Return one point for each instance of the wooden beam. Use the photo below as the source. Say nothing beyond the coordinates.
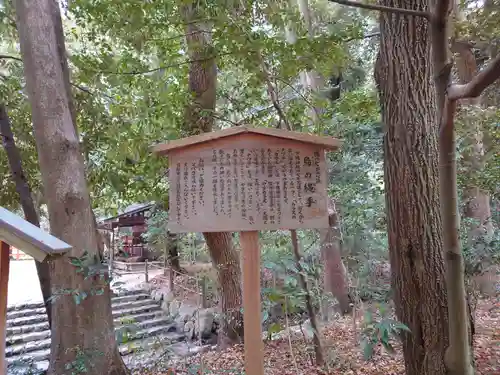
(254, 349)
(328, 143)
(4, 285)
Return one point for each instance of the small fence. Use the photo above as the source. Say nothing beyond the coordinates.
(168, 273)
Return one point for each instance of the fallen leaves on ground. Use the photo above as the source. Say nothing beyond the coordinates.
(342, 351)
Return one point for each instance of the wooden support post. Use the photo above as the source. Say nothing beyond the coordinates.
(165, 259)
(171, 279)
(254, 349)
(4, 283)
(112, 251)
(146, 276)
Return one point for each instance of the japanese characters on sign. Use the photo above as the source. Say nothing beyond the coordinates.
(235, 188)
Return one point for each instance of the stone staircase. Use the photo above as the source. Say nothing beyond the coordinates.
(140, 325)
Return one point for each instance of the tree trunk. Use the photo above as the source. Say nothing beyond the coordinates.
(80, 331)
(477, 201)
(173, 252)
(408, 102)
(458, 353)
(25, 197)
(199, 119)
(336, 281)
(318, 349)
(227, 262)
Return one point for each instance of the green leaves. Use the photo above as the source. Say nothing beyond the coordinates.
(79, 297)
(380, 331)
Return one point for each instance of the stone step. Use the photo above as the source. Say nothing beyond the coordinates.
(28, 337)
(156, 359)
(27, 347)
(28, 363)
(39, 308)
(25, 329)
(127, 334)
(135, 331)
(129, 298)
(118, 292)
(147, 320)
(143, 320)
(25, 312)
(145, 307)
(23, 306)
(131, 304)
(161, 342)
(27, 320)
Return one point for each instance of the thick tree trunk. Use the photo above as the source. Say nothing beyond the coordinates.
(81, 331)
(199, 119)
(408, 103)
(335, 272)
(26, 199)
(227, 262)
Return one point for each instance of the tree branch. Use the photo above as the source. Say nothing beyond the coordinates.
(478, 84)
(136, 72)
(90, 92)
(9, 57)
(382, 8)
(362, 37)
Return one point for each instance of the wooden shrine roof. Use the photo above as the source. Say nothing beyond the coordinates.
(329, 143)
(30, 239)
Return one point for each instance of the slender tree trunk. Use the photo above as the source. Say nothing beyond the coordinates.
(477, 201)
(408, 102)
(335, 272)
(173, 252)
(318, 349)
(199, 119)
(80, 331)
(26, 199)
(458, 354)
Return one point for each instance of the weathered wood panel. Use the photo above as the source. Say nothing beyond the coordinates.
(247, 182)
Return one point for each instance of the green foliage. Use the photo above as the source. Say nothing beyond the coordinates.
(156, 230)
(380, 330)
(83, 362)
(91, 268)
(480, 252)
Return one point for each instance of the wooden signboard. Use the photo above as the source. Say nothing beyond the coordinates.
(247, 181)
(244, 180)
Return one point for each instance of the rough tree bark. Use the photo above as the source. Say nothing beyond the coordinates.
(199, 119)
(25, 197)
(335, 272)
(408, 102)
(79, 331)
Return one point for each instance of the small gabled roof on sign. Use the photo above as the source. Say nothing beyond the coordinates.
(19, 233)
(329, 143)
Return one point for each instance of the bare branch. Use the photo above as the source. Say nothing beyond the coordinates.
(139, 72)
(90, 92)
(9, 57)
(362, 37)
(382, 8)
(478, 84)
